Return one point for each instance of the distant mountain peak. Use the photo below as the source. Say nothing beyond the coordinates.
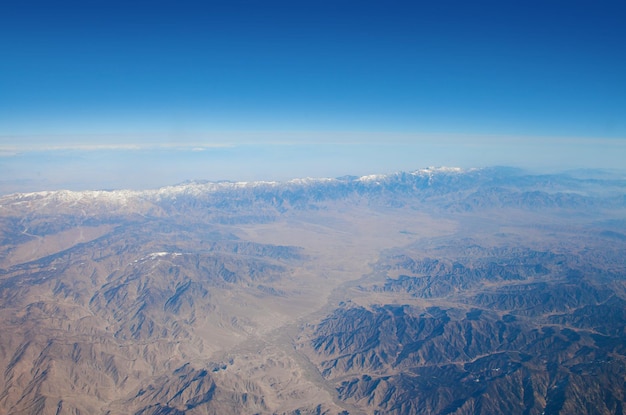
(201, 186)
(453, 187)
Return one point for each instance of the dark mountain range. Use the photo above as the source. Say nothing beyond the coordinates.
(439, 291)
(501, 332)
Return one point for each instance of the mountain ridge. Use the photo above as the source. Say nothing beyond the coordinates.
(422, 183)
(423, 292)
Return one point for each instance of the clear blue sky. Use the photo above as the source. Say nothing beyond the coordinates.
(242, 73)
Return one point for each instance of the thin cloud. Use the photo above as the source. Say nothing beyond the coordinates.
(507, 147)
(12, 146)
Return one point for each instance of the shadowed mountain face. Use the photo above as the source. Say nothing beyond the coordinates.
(439, 291)
(500, 331)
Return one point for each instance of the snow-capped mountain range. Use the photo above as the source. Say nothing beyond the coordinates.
(454, 184)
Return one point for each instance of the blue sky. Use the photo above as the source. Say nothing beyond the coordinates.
(279, 89)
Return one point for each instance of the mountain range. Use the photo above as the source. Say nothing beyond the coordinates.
(437, 291)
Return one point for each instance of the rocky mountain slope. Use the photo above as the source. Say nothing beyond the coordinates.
(439, 291)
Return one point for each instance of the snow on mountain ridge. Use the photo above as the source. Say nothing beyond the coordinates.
(194, 189)
(442, 169)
